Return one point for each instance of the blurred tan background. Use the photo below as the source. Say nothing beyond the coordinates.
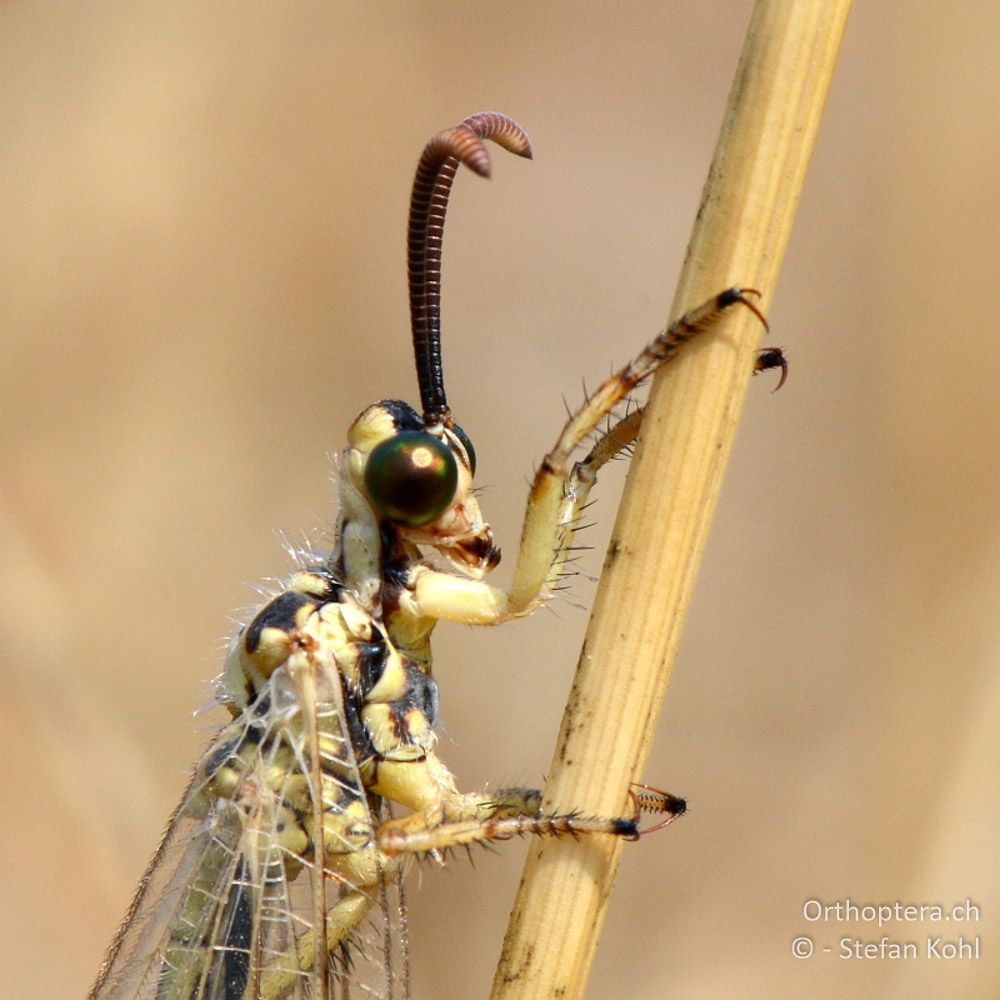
(203, 282)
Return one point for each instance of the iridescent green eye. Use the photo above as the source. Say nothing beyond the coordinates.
(467, 445)
(411, 478)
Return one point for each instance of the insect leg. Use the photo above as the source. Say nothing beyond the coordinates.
(651, 800)
(622, 434)
(361, 873)
(443, 818)
(517, 811)
(772, 357)
(559, 489)
(553, 505)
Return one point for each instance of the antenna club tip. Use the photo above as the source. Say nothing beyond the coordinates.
(480, 164)
(502, 129)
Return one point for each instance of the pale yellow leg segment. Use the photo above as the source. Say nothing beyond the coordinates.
(416, 784)
(559, 492)
(553, 507)
(419, 839)
(444, 818)
(428, 788)
(365, 870)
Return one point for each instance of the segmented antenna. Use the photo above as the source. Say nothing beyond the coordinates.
(463, 143)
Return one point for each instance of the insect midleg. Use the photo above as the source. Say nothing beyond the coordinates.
(443, 818)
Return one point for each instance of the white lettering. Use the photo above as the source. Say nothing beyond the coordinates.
(951, 950)
(884, 948)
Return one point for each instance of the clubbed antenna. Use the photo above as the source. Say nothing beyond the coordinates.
(463, 143)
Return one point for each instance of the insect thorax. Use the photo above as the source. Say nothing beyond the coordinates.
(354, 627)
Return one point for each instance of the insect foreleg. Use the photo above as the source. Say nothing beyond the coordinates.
(621, 435)
(559, 490)
(554, 503)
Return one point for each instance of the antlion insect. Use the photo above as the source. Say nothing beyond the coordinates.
(282, 860)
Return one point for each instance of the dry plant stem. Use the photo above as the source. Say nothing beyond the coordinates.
(739, 239)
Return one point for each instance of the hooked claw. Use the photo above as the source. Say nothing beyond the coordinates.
(772, 357)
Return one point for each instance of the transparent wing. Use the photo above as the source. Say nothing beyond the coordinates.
(241, 900)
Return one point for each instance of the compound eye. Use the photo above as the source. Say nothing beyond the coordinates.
(411, 478)
(467, 445)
